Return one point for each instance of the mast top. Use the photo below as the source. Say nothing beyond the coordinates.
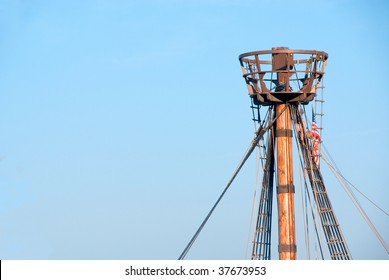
(281, 75)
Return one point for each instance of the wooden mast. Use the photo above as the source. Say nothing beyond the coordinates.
(285, 188)
(282, 63)
(292, 80)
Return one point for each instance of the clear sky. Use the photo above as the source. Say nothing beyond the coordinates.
(122, 121)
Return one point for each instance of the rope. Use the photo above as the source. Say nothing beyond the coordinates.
(259, 134)
(334, 237)
(349, 183)
(251, 224)
(261, 245)
(349, 192)
(300, 122)
(304, 209)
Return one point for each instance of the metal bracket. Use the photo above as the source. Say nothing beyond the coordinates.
(289, 188)
(282, 132)
(287, 248)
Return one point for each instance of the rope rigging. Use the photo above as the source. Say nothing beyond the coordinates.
(331, 163)
(262, 239)
(318, 202)
(285, 81)
(333, 234)
(334, 237)
(307, 198)
(291, 79)
(346, 186)
(258, 136)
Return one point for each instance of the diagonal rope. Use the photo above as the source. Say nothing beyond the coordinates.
(319, 242)
(251, 223)
(259, 134)
(336, 169)
(344, 183)
(333, 234)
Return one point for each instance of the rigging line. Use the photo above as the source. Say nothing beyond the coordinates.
(308, 163)
(258, 163)
(340, 174)
(251, 224)
(262, 149)
(328, 219)
(304, 206)
(253, 112)
(304, 213)
(261, 245)
(359, 207)
(299, 121)
(259, 134)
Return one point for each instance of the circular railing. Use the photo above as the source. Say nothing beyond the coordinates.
(281, 75)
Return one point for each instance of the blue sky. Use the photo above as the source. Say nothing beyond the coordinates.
(122, 121)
